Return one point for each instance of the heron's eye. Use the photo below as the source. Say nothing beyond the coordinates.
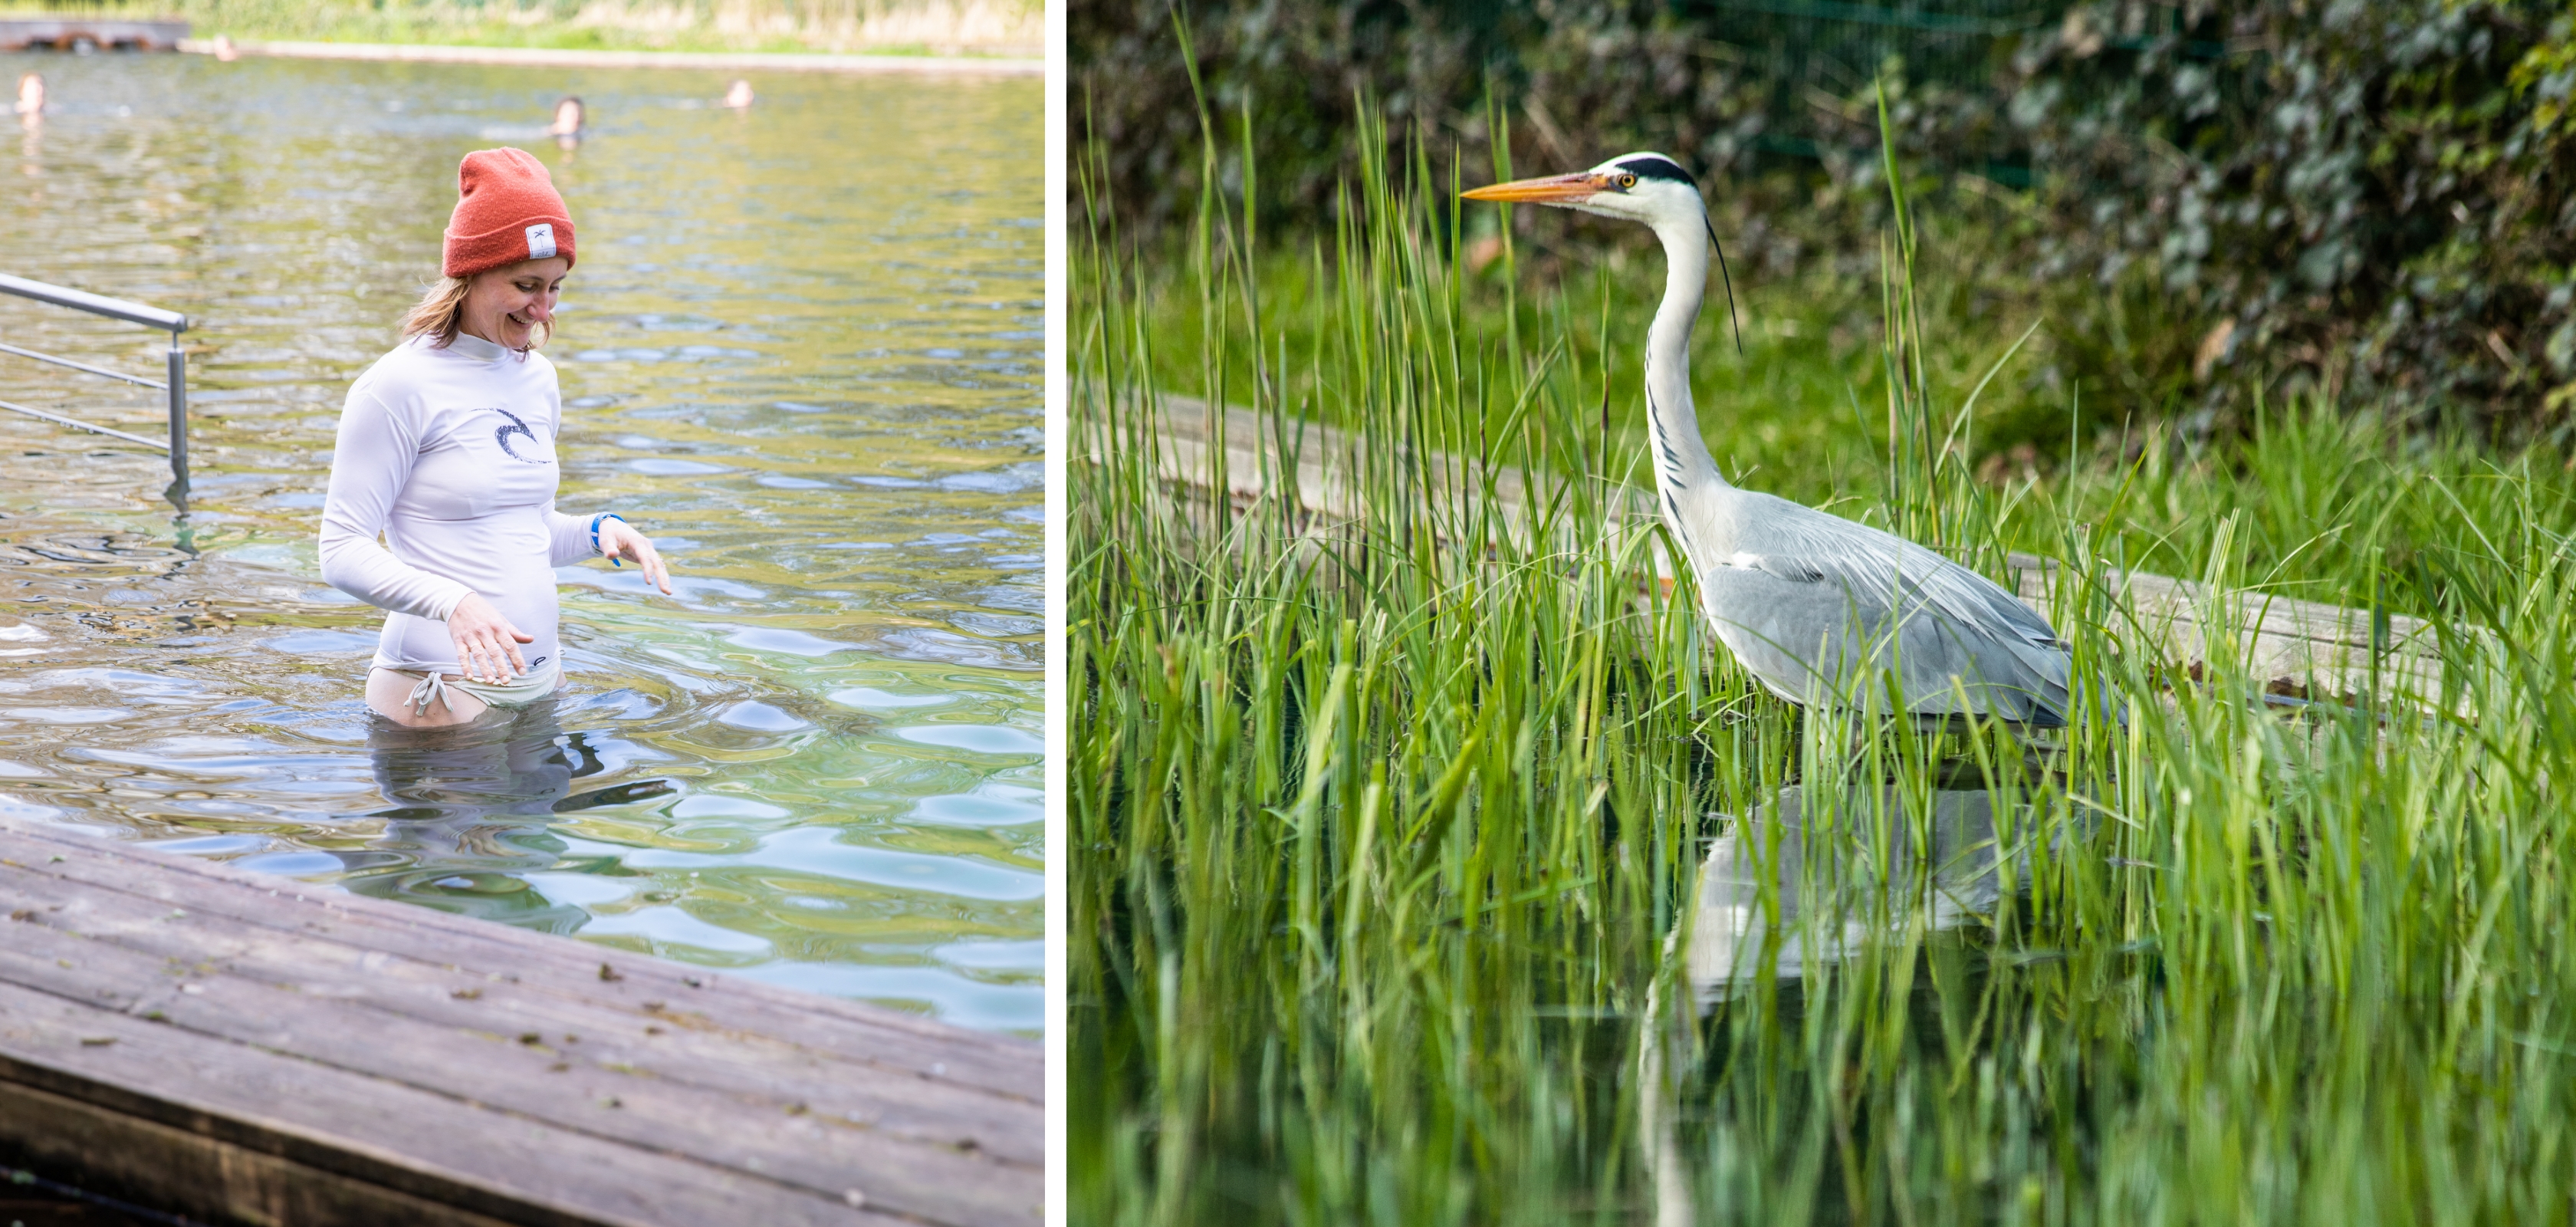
(1627, 181)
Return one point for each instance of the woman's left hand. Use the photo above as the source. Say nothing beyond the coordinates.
(618, 539)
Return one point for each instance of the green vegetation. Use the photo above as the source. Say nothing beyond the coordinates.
(1782, 413)
(877, 27)
(1382, 829)
(2369, 201)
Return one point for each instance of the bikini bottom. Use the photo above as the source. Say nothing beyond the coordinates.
(431, 688)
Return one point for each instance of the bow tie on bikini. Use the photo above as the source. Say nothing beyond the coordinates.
(431, 689)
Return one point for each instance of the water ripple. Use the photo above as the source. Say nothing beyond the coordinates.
(816, 761)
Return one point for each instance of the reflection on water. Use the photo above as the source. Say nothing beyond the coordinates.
(1803, 882)
(472, 817)
(802, 350)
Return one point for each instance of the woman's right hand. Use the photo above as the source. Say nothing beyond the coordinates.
(487, 646)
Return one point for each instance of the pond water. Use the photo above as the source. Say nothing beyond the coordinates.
(802, 349)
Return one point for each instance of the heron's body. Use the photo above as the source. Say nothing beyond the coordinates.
(1816, 607)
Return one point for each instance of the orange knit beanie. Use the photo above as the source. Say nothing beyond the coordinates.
(506, 211)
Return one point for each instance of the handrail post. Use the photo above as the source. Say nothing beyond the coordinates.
(178, 416)
(135, 312)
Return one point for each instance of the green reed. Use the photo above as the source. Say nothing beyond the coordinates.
(1386, 816)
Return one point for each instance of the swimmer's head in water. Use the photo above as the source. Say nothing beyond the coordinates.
(569, 116)
(738, 95)
(31, 94)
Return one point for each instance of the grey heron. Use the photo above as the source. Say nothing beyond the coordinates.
(1814, 606)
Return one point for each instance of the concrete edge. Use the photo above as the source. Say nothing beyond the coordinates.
(549, 57)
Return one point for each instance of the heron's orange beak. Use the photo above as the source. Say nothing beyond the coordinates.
(1554, 189)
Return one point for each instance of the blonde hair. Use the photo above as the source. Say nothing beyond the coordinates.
(440, 314)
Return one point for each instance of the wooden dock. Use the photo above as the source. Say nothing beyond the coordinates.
(240, 1048)
(67, 31)
(2300, 648)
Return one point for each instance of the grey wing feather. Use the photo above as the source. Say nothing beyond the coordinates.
(1833, 547)
(1806, 594)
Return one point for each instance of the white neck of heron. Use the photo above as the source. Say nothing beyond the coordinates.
(1680, 456)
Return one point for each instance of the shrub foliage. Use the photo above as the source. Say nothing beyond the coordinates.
(2372, 199)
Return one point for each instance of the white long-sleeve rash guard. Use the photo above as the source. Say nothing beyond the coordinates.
(450, 453)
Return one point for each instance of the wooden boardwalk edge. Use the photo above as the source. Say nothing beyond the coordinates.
(196, 1037)
(710, 61)
(2297, 647)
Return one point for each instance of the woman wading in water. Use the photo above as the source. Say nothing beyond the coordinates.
(447, 448)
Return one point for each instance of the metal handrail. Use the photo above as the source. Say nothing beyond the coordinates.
(56, 417)
(83, 366)
(95, 304)
(132, 312)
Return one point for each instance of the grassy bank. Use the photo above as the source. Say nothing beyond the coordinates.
(1381, 836)
(880, 27)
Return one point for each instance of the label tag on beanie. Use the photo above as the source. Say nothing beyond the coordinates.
(541, 240)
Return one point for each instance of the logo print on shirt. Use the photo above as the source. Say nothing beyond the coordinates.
(516, 427)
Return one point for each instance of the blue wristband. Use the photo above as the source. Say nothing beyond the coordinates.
(594, 533)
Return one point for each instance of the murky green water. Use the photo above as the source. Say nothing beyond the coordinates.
(802, 349)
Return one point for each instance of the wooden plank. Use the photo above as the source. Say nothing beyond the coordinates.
(2298, 647)
(913, 1151)
(888, 1039)
(94, 865)
(352, 1128)
(232, 1051)
(115, 1150)
(140, 963)
(323, 966)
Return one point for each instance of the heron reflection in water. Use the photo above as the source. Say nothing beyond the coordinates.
(472, 810)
